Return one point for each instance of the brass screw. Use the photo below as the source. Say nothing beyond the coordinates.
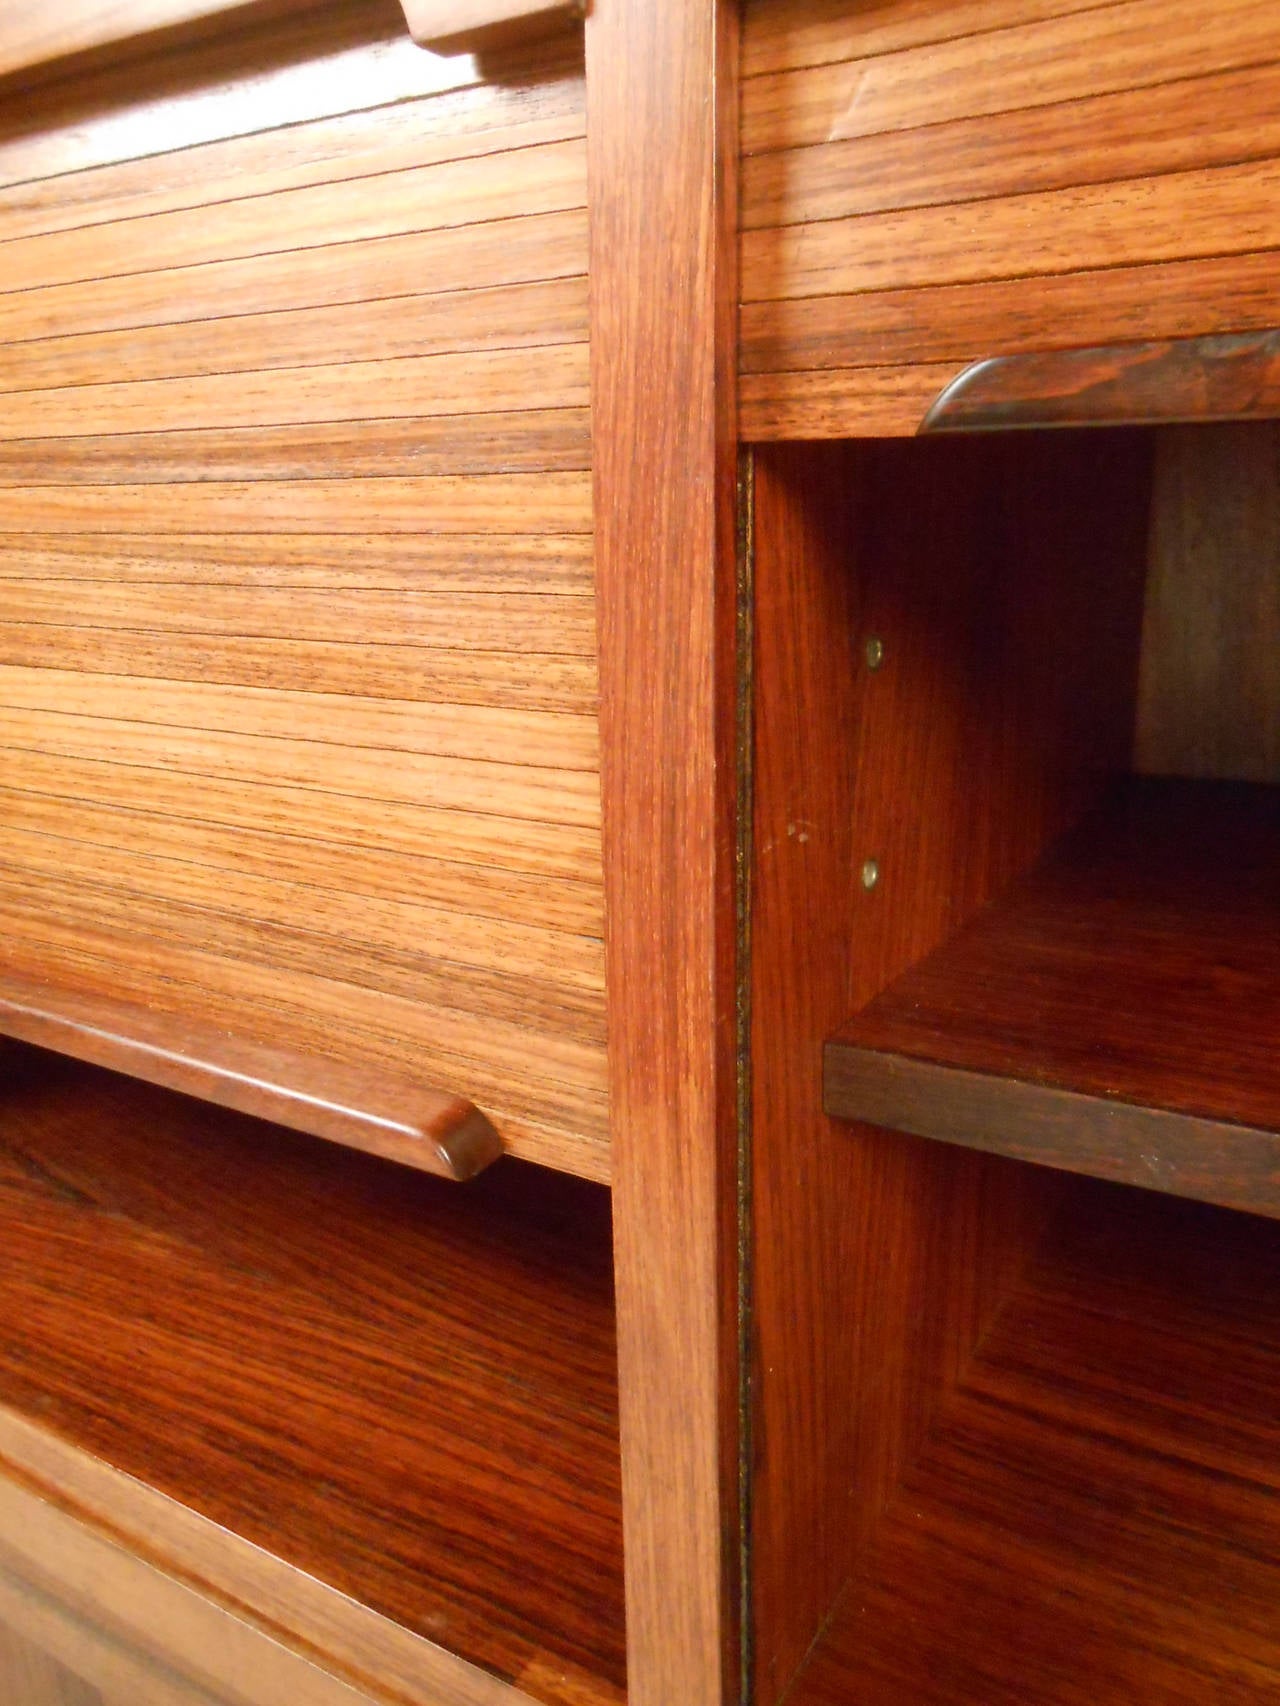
(875, 652)
(870, 874)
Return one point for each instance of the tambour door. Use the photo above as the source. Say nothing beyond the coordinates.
(929, 185)
(297, 639)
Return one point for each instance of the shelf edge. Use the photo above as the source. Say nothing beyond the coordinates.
(1154, 1148)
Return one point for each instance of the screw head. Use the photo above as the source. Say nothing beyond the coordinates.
(870, 874)
(874, 652)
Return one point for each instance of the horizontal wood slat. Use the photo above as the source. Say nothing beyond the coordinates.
(480, 838)
(477, 381)
(781, 35)
(523, 442)
(544, 179)
(483, 118)
(512, 504)
(559, 903)
(483, 562)
(529, 622)
(297, 628)
(514, 680)
(520, 250)
(504, 318)
(1203, 121)
(1127, 45)
(947, 183)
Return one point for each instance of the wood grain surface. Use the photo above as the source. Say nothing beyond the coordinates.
(1192, 379)
(1209, 690)
(295, 501)
(406, 1397)
(662, 112)
(1133, 969)
(450, 26)
(976, 565)
(1092, 1518)
(413, 1124)
(73, 26)
(925, 185)
(34, 1678)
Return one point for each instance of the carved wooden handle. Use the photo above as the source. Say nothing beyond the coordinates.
(454, 26)
(378, 1112)
(1232, 377)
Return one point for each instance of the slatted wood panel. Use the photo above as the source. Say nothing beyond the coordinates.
(297, 634)
(929, 184)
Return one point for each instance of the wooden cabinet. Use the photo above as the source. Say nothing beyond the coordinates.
(695, 595)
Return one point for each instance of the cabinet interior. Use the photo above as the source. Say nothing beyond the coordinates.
(1017, 715)
(401, 1387)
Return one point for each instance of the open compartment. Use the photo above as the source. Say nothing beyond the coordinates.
(1017, 711)
(371, 1410)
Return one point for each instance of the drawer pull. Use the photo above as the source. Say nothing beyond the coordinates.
(1230, 377)
(382, 1113)
(458, 26)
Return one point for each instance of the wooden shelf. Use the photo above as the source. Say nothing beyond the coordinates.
(1092, 1520)
(404, 1390)
(1115, 1013)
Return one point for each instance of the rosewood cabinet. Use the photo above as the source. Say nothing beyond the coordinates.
(639, 745)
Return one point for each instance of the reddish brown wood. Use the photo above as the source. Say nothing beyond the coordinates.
(977, 566)
(1114, 1013)
(381, 1113)
(404, 1390)
(463, 26)
(1093, 1517)
(661, 110)
(1230, 377)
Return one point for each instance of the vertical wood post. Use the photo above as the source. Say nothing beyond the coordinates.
(662, 147)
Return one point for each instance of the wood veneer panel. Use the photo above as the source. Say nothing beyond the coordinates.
(296, 149)
(517, 504)
(1042, 62)
(1063, 182)
(426, 565)
(479, 382)
(1174, 300)
(522, 441)
(470, 889)
(514, 680)
(406, 1399)
(505, 317)
(523, 181)
(661, 89)
(354, 430)
(483, 838)
(782, 35)
(1093, 1515)
(1209, 693)
(507, 251)
(1195, 122)
(1134, 971)
(973, 572)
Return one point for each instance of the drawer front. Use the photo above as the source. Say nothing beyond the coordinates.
(297, 635)
(928, 185)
